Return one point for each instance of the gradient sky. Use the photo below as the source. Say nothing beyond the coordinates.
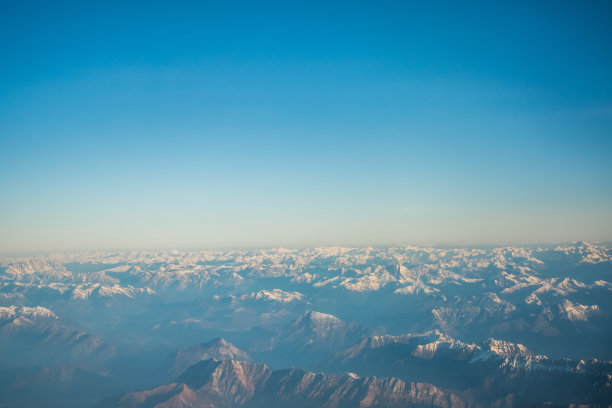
(233, 124)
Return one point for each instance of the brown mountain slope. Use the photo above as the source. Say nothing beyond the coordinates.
(240, 384)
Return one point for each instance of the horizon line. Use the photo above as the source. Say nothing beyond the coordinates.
(246, 248)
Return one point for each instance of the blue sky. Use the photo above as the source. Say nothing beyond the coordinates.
(246, 124)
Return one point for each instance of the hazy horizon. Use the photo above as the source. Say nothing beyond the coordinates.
(249, 204)
(110, 250)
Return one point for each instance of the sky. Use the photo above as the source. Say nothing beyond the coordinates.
(257, 124)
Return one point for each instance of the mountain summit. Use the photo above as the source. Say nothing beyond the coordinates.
(217, 349)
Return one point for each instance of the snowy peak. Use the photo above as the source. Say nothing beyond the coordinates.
(16, 318)
(577, 312)
(321, 332)
(505, 348)
(421, 345)
(316, 319)
(35, 313)
(508, 355)
(274, 295)
(85, 291)
(581, 253)
(315, 324)
(52, 339)
(218, 349)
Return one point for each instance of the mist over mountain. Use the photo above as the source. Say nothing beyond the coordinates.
(414, 326)
(238, 384)
(217, 349)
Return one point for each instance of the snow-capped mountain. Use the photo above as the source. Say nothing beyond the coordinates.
(274, 295)
(509, 317)
(316, 330)
(486, 371)
(30, 335)
(217, 349)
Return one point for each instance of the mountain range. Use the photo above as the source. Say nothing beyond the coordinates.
(509, 326)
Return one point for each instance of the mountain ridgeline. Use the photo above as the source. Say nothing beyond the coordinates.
(239, 384)
(324, 327)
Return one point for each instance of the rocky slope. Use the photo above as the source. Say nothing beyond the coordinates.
(37, 336)
(554, 300)
(217, 349)
(240, 384)
(485, 372)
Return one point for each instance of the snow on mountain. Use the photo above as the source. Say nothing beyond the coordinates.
(368, 279)
(408, 270)
(560, 287)
(85, 291)
(274, 295)
(533, 299)
(488, 292)
(315, 323)
(420, 345)
(403, 352)
(37, 334)
(584, 252)
(545, 298)
(577, 312)
(602, 283)
(505, 348)
(217, 349)
(487, 371)
(417, 287)
(24, 313)
(507, 354)
(320, 332)
(471, 310)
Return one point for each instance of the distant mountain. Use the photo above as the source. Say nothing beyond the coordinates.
(421, 345)
(58, 383)
(494, 325)
(37, 336)
(231, 384)
(274, 295)
(96, 290)
(217, 349)
(321, 332)
(310, 338)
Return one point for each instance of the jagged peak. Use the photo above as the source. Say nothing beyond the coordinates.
(424, 345)
(236, 383)
(505, 348)
(274, 295)
(317, 321)
(577, 312)
(320, 317)
(217, 349)
(29, 312)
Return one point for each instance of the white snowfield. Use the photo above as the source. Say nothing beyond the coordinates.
(37, 312)
(406, 271)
